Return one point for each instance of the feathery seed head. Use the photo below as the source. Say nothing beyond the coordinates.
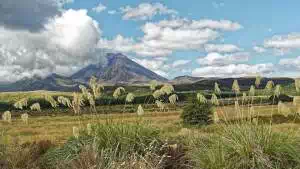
(153, 85)
(217, 89)
(216, 117)
(201, 98)
(64, 101)
(214, 100)
(277, 91)
(6, 116)
(160, 105)
(140, 111)
(236, 87)
(76, 132)
(252, 91)
(173, 99)
(89, 128)
(36, 107)
(21, 103)
(167, 89)
(257, 81)
(24, 118)
(283, 109)
(297, 85)
(269, 86)
(244, 97)
(157, 94)
(50, 99)
(77, 102)
(130, 97)
(118, 92)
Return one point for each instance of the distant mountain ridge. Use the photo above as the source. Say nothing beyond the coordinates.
(120, 70)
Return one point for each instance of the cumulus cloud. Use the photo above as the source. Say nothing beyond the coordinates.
(290, 63)
(179, 63)
(58, 47)
(99, 8)
(112, 12)
(259, 49)
(165, 37)
(221, 48)
(224, 25)
(284, 42)
(217, 59)
(145, 11)
(234, 70)
(157, 65)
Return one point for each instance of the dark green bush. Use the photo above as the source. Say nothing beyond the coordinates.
(197, 114)
(282, 98)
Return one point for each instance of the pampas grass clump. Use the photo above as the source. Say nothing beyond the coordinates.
(36, 107)
(6, 116)
(201, 98)
(173, 99)
(21, 103)
(118, 92)
(130, 98)
(140, 111)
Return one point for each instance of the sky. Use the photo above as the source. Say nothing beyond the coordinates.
(219, 38)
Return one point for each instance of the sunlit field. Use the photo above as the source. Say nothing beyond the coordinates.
(156, 131)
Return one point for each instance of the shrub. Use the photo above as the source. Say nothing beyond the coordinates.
(246, 146)
(197, 114)
(282, 98)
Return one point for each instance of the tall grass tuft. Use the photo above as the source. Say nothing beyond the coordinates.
(201, 98)
(236, 87)
(77, 102)
(140, 111)
(246, 146)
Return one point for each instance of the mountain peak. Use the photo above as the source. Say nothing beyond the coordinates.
(118, 69)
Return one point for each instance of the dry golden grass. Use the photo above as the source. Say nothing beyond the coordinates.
(59, 128)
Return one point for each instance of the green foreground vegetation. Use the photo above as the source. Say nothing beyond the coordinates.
(54, 130)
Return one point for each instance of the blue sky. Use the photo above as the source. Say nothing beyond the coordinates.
(227, 38)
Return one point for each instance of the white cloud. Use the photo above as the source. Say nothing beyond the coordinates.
(290, 41)
(290, 63)
(234, 70)
(60, 45)
(217, 59)
(179, 63)
(221, 48)
(112, 12)
(145, 11)
(224, 25)
(157, 65)
(165, 37)
(259, 49)
(99, 8)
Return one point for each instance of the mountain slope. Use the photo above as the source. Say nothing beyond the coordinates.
(53, 82)
(119, 69)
